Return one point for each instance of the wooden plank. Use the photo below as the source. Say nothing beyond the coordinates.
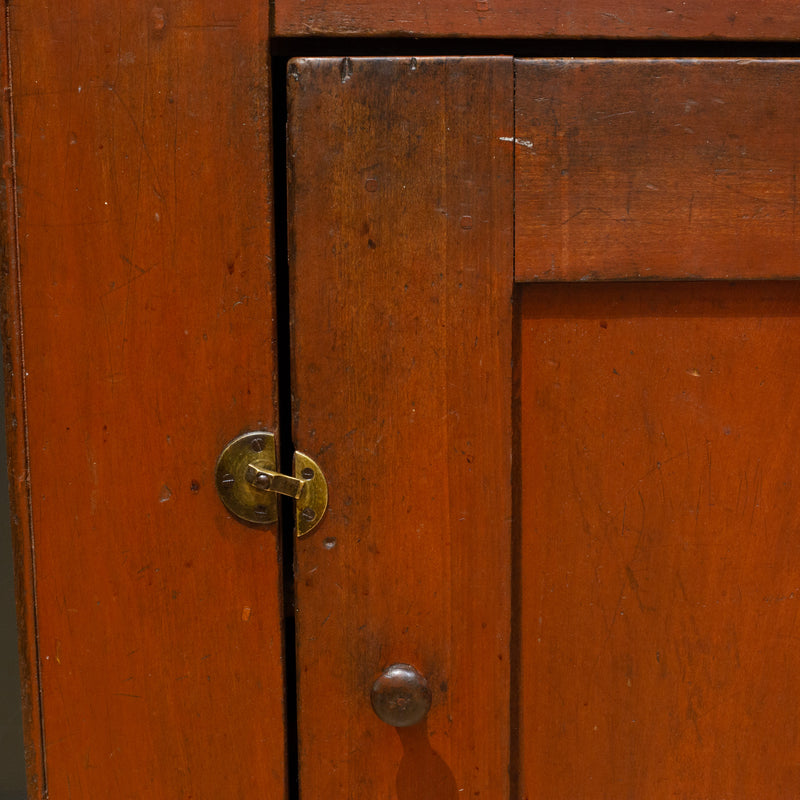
(401, 263)
(16, 445)
(768, 20)
(657, 169)
(659, 551)
(146, 322)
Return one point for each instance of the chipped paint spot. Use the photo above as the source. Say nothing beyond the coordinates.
(524, 142)
(346, 70)
(158, 19)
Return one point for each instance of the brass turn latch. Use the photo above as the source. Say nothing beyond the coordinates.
(249, 484)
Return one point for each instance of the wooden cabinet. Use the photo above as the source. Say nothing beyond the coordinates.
(538, 329)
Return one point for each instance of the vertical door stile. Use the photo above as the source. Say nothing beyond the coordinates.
(400, 210)
(142, 193)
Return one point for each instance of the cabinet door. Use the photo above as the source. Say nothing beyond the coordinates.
(151, 619)
(628, 631)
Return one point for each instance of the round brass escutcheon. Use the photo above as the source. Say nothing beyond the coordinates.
(248, 482)
(245, 500)
(401, 697)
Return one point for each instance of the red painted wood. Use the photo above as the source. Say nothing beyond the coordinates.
(656, 557)
(401, 257)
(146, 321)
(767, 20)
(15, 429)
(660, 168)
(659, 555)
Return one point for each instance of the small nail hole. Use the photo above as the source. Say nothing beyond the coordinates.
(308, 473)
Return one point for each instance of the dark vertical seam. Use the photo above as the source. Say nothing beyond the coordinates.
(285, 437)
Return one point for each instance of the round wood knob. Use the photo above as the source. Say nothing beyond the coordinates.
(401, 696)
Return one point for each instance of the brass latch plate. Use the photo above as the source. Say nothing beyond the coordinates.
(248, 483)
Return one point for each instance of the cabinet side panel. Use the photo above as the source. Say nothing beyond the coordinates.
(401, 249)
(657, 169)
(143, 189)
(15, 428)
(767, 20)
(660, 556)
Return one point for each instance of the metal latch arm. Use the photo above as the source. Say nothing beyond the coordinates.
(268, 481)
(248, 482)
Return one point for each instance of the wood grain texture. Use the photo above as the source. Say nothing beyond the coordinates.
(638, 19)
(146, 320)
(657, 169)
(401, 251)
(16, 440)
(660, 580)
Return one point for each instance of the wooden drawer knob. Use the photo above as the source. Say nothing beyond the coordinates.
(401, 696)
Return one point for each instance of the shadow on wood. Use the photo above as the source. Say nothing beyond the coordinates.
(423, 773)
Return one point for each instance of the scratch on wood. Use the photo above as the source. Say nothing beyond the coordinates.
(616, 114)
(524, 142)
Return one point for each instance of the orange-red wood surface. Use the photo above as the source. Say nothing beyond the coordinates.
(660, 562)
(401, 251)
(19, 512)
(146, 321)
(658, 168)
(625, 19)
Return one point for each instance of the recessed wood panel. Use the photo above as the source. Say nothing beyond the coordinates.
(660, 557)
(401, 261)
(657, 169)
(145, 321)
